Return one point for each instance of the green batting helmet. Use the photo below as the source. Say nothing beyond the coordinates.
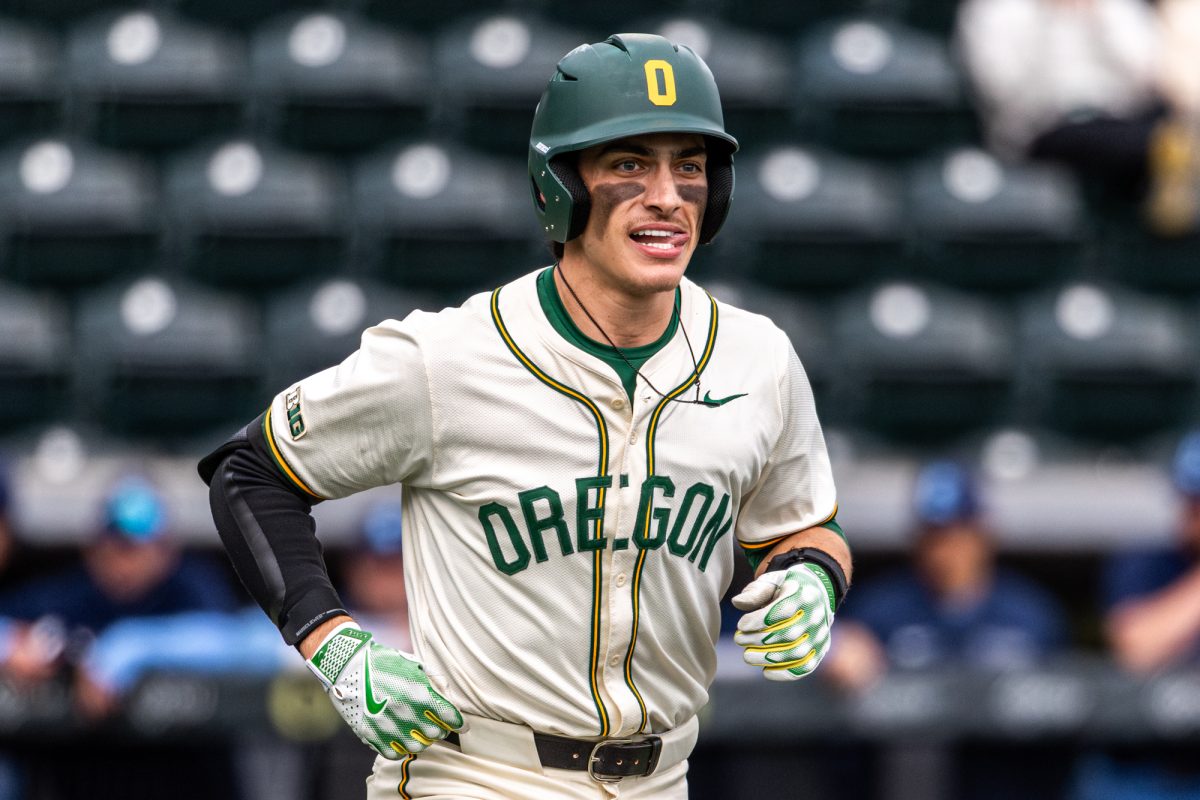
(629, 84)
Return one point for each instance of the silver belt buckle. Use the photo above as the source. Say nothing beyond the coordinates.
(593, 758)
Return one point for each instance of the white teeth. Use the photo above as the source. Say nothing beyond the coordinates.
(654, 233)
(658, 245)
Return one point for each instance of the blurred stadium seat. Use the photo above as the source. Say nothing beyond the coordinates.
(73, 214)
(166, 359)
(35, 340)
(56, 12)
(240, 14)
(875, 86)
(1141, 259)
(1105, 362)
(925, 363)
(147, 79)
(444, 217)
(753, 70)
(30, 85)
(984, 224)
(246, 213)
(316, 325)
(490, 72)
(813, 219)
(332, 80)
(775, 17)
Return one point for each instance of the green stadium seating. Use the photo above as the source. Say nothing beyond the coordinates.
(444, 217)
(249, 214)
(72, 214)
(924, 363)
(875, 86)
(150, 80)
(983, 224)
(335, 81)
(489, 73)
(30, 85)
(35, 339)
(166, 359)
(1106, 362)
(813, 220)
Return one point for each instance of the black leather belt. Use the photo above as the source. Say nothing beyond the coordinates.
(605, 760)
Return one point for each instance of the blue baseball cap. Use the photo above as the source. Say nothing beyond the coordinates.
(1185, 469)
(383, 528)
(134, 510)
(945, 492)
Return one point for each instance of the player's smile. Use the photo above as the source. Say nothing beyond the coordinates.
(657, 240)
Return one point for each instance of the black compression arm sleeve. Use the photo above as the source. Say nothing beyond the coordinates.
(269, 533)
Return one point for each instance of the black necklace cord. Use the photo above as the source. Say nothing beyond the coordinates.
(621, 353)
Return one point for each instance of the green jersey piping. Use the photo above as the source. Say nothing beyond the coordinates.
(602, 471)
(651, 430)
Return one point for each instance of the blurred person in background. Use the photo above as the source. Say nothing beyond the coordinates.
(130, 567)
(952, 604)
(372, 575)
(1085, 83)
(1151, 600)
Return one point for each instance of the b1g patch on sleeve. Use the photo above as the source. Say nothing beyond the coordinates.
(291, 402)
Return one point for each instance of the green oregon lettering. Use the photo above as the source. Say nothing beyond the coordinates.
(514, 536)
(589, 536)
(537, 526)
(661, 516)
(687, 529)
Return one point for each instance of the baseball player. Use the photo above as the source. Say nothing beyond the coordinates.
(579, 449)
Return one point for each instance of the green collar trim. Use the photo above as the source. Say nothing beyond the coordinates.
(560, 320)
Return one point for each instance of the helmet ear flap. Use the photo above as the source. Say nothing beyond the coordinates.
(581, 200)
(720, 192)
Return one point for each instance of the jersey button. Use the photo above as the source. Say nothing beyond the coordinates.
(612, 662)
(621, 579)
(618, 403)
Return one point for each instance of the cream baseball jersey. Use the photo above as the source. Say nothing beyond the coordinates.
(566, 546)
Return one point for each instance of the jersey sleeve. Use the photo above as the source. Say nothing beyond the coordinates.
(795, 490)
(366, 422)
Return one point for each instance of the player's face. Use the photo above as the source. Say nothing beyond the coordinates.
(648, 197)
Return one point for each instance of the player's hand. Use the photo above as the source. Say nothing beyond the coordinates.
(786, 628)
(383, 694)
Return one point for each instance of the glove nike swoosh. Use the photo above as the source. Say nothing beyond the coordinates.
(373, 706)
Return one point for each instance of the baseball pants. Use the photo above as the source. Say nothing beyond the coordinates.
(502, 764)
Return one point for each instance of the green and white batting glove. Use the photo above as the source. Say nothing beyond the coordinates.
(383, 694)
(786, 629)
